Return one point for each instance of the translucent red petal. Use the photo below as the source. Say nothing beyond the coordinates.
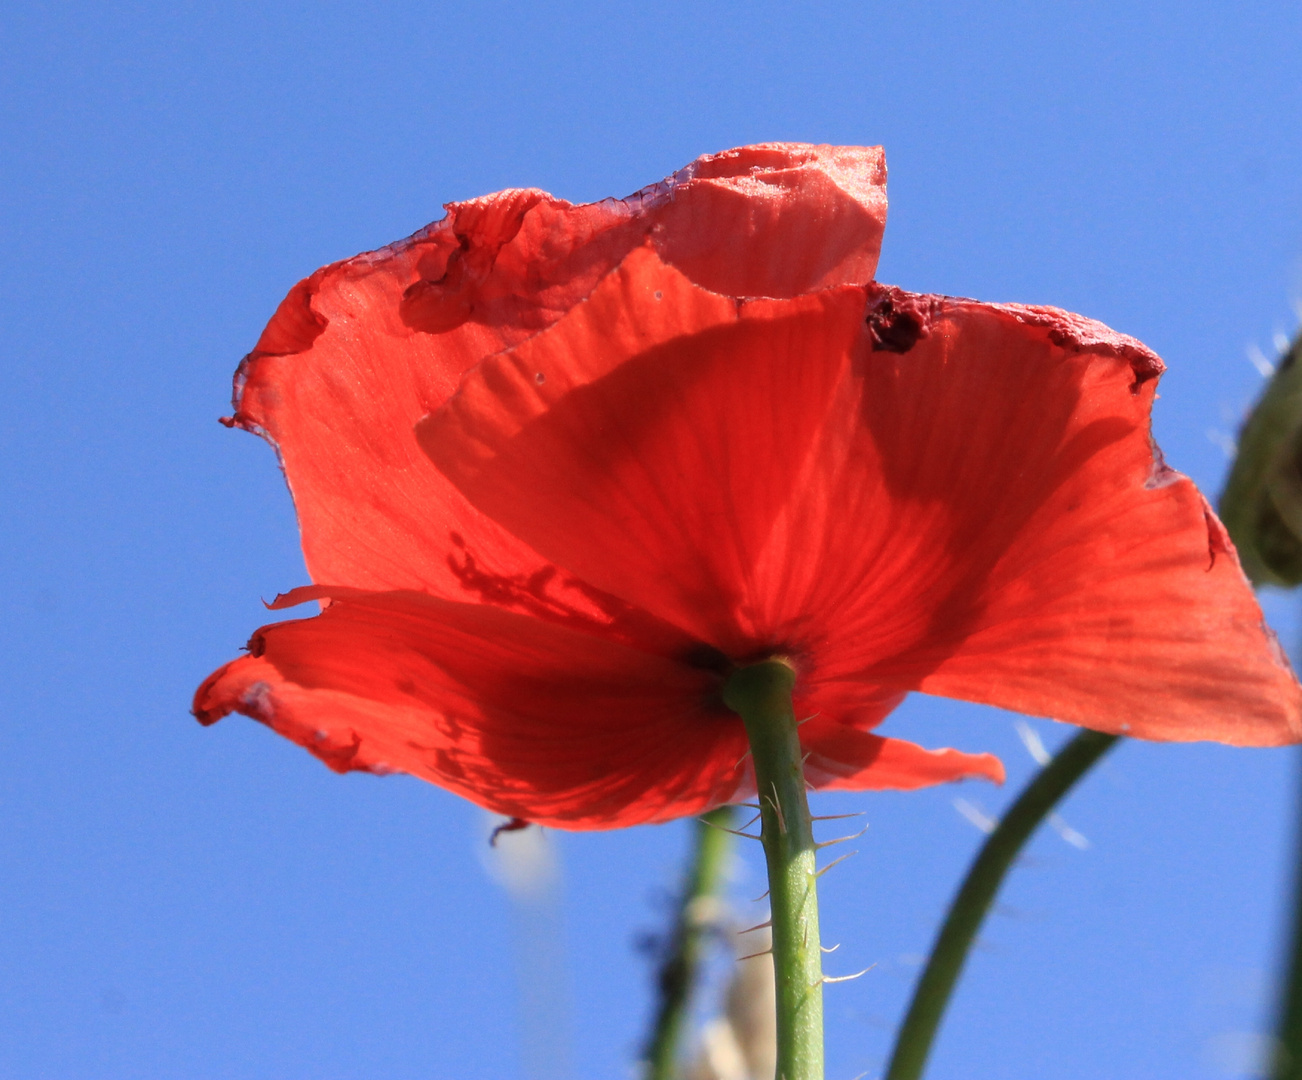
(904, 491)
(362, 349)
(557, 468)
(525, 717)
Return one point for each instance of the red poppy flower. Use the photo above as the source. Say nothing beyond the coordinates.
(558, 468)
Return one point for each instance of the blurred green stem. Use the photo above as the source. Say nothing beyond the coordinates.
(761, 696)
(979, 888)
(1287, 1064)
(1261, 505)
(696, 916)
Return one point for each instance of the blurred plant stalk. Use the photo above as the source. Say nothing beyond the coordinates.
(699, 913)
(1261, 505)
(742, 1044)
(1262, 510)
(1287, 1060)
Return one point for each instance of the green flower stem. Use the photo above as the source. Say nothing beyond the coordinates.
(761, 695)
(1287, 1064)
(978, 891)
(696, 916)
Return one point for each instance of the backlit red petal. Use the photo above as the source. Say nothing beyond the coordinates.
(842, 758)
(362, 349)
(648, 441)
(999, 527)
(527, 718)
(916, 493)
(776, 220)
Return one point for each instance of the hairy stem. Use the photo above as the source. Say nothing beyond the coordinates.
(978, 891)
(761, 695)
(696, 916)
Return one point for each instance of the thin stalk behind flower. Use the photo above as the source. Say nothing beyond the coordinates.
(677, 974)
(761, 695)
(1287, 1059)
(977, 893)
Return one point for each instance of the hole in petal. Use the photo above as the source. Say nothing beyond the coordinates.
(896, 321)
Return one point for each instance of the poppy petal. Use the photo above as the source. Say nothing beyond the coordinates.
(527, 718)
(923, 493)
(841, 755)
(988, 518)
(649, 439)
(335, 384)
(778, 220)
(362, 349)
(843, 758)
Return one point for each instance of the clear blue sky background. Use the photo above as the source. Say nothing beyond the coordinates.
(201, 904)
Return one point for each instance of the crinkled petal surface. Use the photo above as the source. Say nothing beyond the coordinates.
(900, 491)
(361, 350)
(525, 717)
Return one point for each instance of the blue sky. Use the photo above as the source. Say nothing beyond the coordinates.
(187, 903)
